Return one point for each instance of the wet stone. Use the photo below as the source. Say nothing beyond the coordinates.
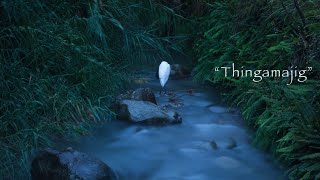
(214, 145)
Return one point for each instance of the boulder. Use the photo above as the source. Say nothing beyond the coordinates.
(179, 72)
(231, 144)
(144, 94)
(140, 94)
(146, 113)
(51, 164)
(213, 144)
(174, 116)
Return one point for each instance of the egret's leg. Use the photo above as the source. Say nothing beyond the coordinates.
(162, 90)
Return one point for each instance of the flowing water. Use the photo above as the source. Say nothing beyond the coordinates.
(184, 151)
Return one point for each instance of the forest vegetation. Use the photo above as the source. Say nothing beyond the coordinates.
(269, 35)
(62, 62)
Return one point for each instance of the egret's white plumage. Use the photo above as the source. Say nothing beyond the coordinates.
(164, 72)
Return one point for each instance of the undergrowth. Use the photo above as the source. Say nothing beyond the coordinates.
(269, 35)
(62, 61)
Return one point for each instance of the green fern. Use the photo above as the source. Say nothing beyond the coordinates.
(268, 35)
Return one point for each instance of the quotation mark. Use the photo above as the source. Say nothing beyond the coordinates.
(309, 68)
(216, 69)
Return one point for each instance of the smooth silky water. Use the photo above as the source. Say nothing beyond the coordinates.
(183, 151)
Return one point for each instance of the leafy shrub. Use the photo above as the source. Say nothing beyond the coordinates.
(269, 35)
(60, 63)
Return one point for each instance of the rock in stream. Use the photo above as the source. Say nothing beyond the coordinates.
(51, 164)
(140, 94)
(146, 113)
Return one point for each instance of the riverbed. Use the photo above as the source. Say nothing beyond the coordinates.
(212, 143)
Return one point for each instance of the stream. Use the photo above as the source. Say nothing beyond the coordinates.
(211, 143)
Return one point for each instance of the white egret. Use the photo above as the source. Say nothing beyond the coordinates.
(164, 73)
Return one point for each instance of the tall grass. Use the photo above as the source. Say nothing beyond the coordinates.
(61, 62)
(269, 35)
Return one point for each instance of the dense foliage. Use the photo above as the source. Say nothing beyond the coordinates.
(62, 61)
(269, 35)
